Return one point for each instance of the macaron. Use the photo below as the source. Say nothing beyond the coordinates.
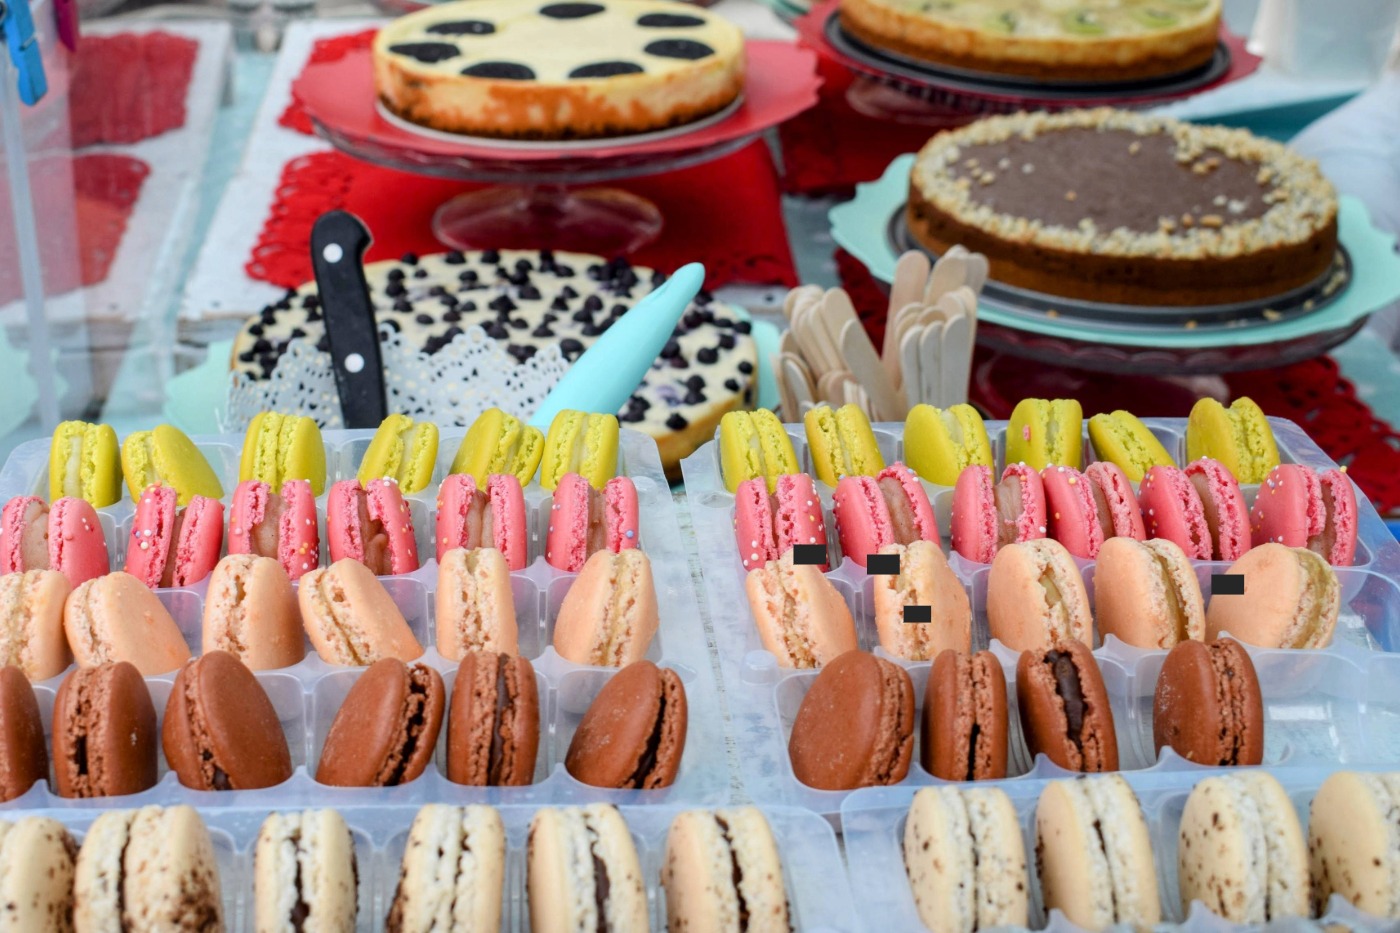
(721, 866)
(36, 874)
(633, 735)
(104, 733)
(579, 442)
(493, 723)
(31, 623)
(769, 524)
(24, 761)
(1115, 501)
(1120, 438)
(963, 736)
(117, 618)
(499, 443)
(453, 871)
(965, 859)
(373, 526)
(280, 447)
(475, 604)
(1353, 845)
(165, 456)
(939, 443)
(988, 515)
(1146, 594)
(386, 730)
(1241, 850)
(841, 443)
(24, 534)
(1036, 597)
(1238, 436)
(1227, 518)
(584, 520)
(754, 445)
(801, 617)
(924, 579)
(1172, 509)
(582, 871)
(250, 611)
(170, 547)
(1208, 707)
(609, 615)
(67, 538)
(1044, 433)
(888, 508)
(1072, 511)
(489, 513)
(281, 526)
(152, 863)
(402, 450)
(83, 463)
(305, 876)
(221, 732)
(855, 727)
(1291, 599)
(1065, 713)
(1301, 507)
(351, 619)
(1094, 854)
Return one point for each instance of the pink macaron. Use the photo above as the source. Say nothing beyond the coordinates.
(767, 527)
(283, 527)
(1227, 517)
(24, 535)
(1172, 509)
(584, 520)
(1086, 509)
(1120, 516)
(987, 515)
(468, 517)
(66, 537)
(1299, 507)
(371, 525)
(890, 508)
(170, 546)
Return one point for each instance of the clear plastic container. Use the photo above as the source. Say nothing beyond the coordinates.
(1332, 706)
(308, 695)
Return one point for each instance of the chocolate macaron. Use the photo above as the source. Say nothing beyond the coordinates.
(493, 724)
(1065, 711)
(1208, 706)
(387, 728)
(963, 736)
(855, 727)
(633, 735)
(104, 732)
(23, 760)
(221, 732)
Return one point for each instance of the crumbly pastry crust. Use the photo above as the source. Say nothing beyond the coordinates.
(525, 60)
(1286, 240)
(973, 34)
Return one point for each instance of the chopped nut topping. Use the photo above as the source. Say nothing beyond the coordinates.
(1213, 221)
(1134, 147)
(1070, 196)
(1187, 220)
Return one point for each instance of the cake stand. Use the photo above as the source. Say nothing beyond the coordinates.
(537, 199)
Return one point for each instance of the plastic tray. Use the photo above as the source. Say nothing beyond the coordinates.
(874, 829)
(818, 897)
(1332, 706)
(308, 695)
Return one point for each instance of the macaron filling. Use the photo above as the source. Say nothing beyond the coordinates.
(1009, 496)
(1103, 513)
(1229, 691)
(1171, 595)
(980, 754)
(264, 536)
(34, 536)
(1070, 692)
(404, 751)
(172, 554)
(374, 540)
(904, 524)
(736, 870)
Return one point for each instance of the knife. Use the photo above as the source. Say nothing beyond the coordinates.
(338, 244)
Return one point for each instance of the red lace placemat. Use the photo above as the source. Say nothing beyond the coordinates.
(325, 50)
(128, 87)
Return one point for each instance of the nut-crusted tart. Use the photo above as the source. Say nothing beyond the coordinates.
(1112, 206)
(1091, 40)
(534, 69)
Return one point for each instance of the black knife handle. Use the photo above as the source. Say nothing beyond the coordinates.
(338, 244)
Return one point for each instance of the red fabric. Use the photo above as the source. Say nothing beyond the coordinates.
(128, 87)
(325, 50)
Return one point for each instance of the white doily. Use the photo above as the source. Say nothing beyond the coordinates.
(451, 387)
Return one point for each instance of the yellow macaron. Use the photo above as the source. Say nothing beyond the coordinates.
(1238, 436)
(1121, 439)
(582, 443)
(402, 450)
(280, 447)
(841, 443)
(1045, 432)
(498, 442)
(939, 443)
(83, 463)
(754, 444)
(165, 456)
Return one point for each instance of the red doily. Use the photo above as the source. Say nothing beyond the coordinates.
(128, 87)
(325, 50)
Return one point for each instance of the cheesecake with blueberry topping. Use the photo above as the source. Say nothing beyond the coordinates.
(535, 69)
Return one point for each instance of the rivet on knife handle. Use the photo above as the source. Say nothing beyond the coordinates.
(338, 244)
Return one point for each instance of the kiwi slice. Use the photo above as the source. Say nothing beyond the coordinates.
(1083, 23)
(1155, 17)
(1003, 22)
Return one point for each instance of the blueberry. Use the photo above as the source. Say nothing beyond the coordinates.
(503, 71)
(256, 330)
(395, 275)
(542, 331)
(559, 304)
(680, 362)
(676, 422)
(452, 317)
(732, 385)
(671, 349)
(463, 27)
(529, 293)
(424, 319)
(568, 292)
(409, 259)
(495, 330)
(521, 352)
(687, 49)
(501, 303)
(570, 10)
(454, 257)
(491, 256)
(571, 348)
(583, 317)
(728, 341)
(592, 303)
(746, 367)
(395, 290)
(743, 327)
(669, 21)
(606, 70)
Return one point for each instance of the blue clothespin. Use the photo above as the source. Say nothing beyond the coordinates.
(18, 26)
